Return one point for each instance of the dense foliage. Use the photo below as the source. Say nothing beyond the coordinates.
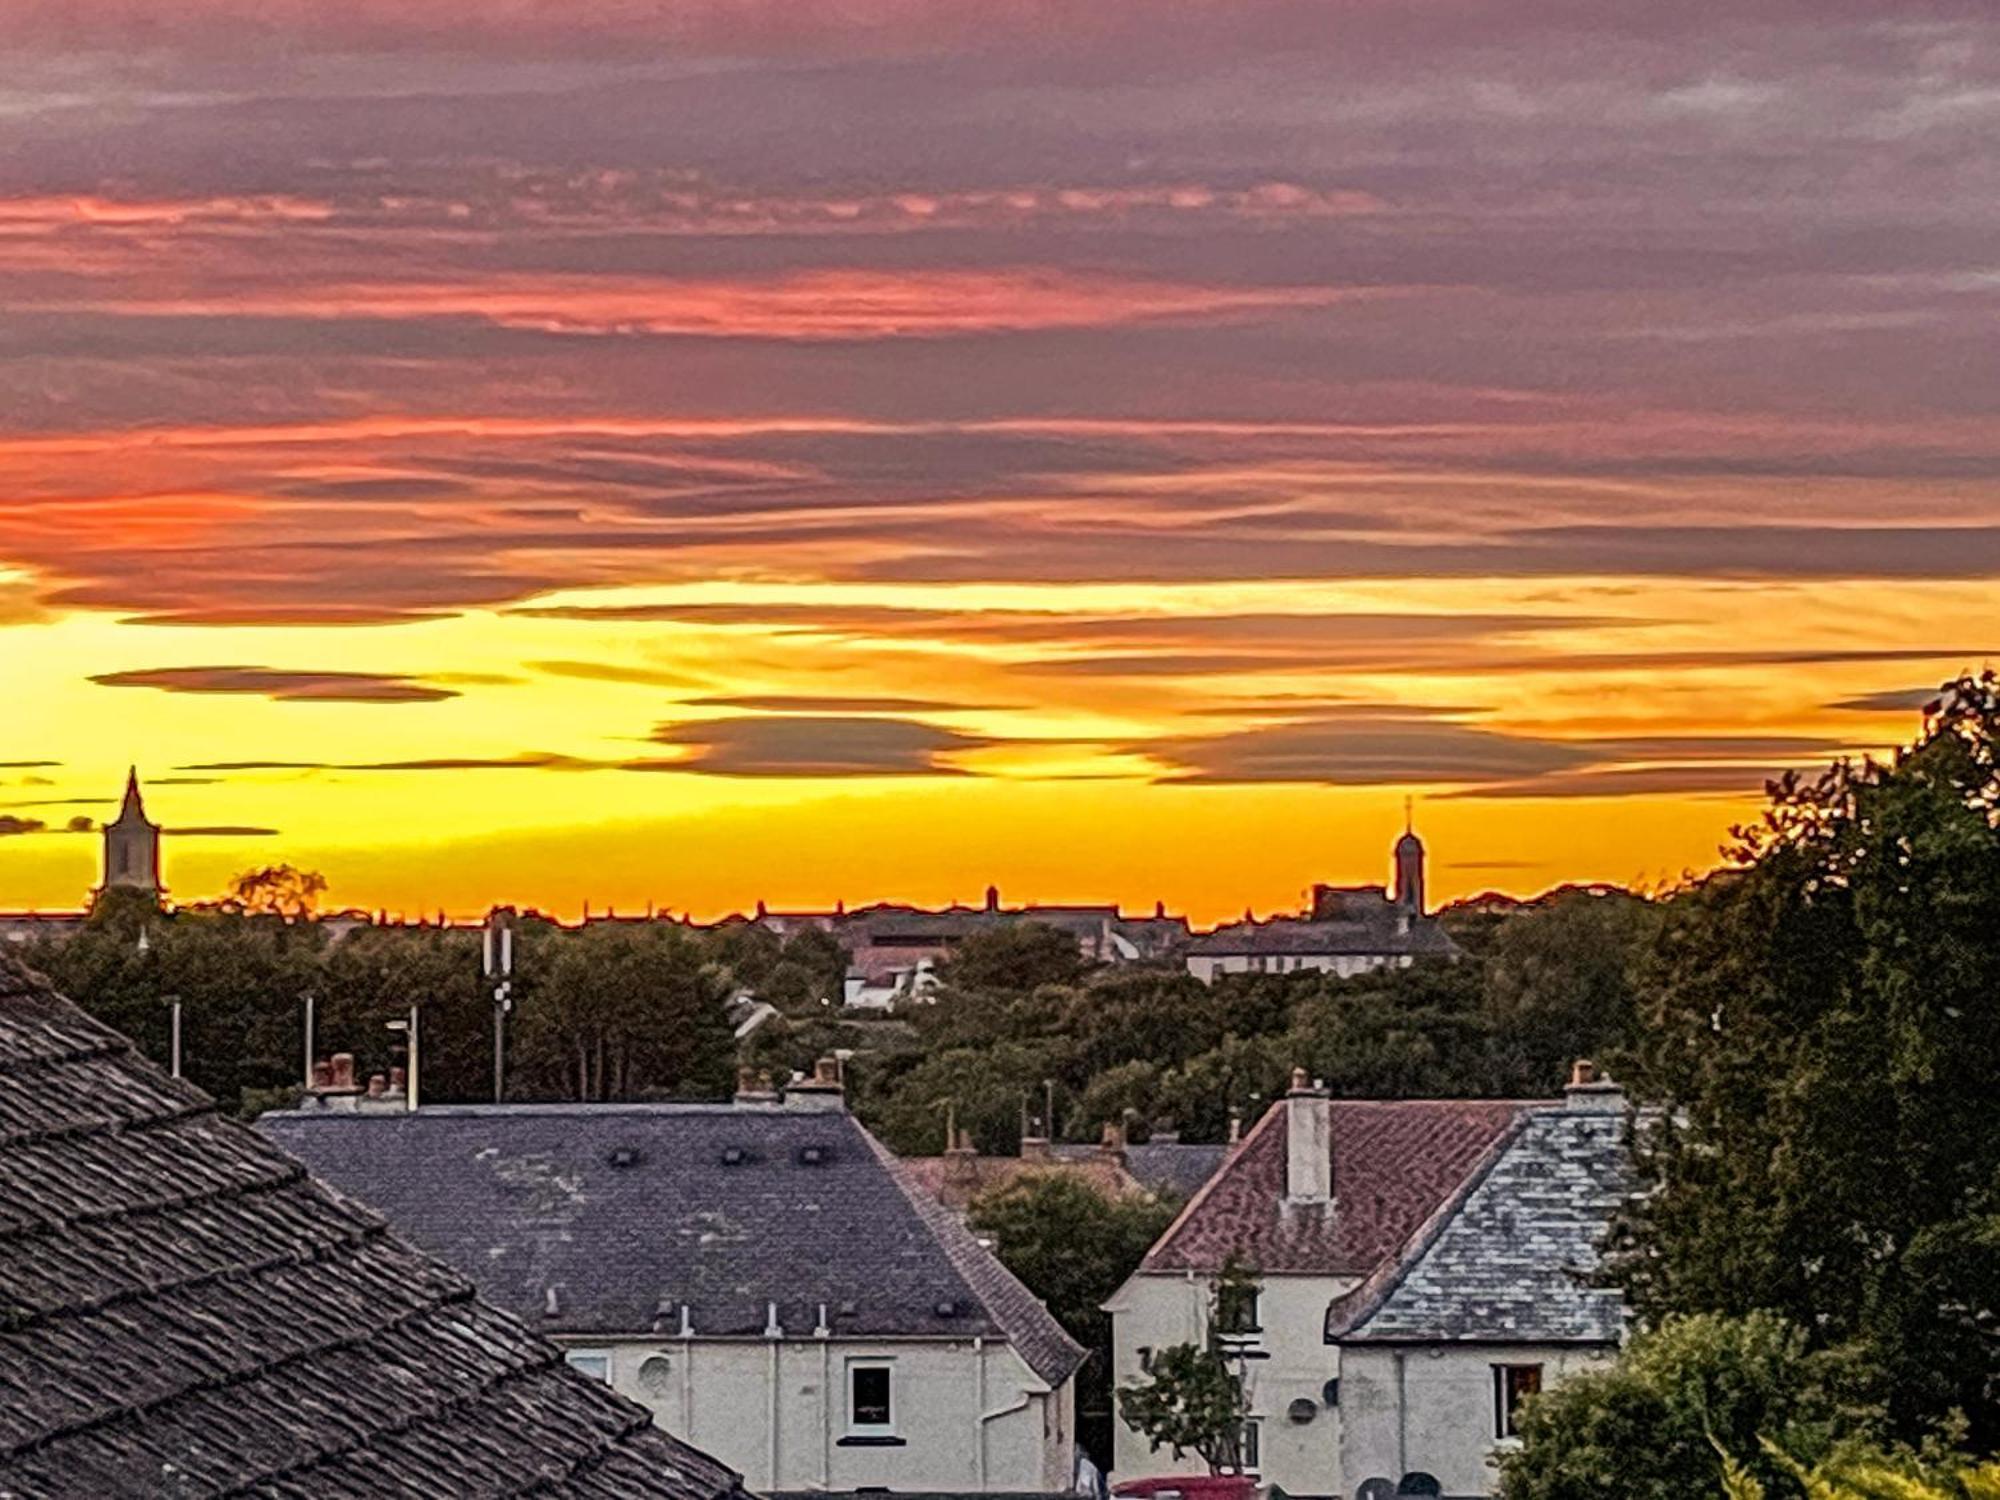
(1139, 1045)
(1822, 1019)
(1653, 1426)
(1073, 1247)
(615, 1011)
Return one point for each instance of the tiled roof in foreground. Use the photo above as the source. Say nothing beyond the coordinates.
(185, 1312)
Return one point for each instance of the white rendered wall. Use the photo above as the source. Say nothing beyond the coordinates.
(1430, 1408)
(1291, 1361)
(718, 1395)
(1206, 967)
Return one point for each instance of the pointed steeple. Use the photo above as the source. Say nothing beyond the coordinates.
(132, 844)
(134, 810)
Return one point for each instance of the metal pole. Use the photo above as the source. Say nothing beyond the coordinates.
(410, 1084)
(306, 1078)
(177, 1039)
(499, 1043)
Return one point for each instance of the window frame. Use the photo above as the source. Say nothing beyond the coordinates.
(577, 1359)
(856, 1428)
(1512, 1384)
(1251, 1328)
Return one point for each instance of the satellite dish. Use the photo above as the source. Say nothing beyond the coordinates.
(1376, 1489)
(1420, 1483)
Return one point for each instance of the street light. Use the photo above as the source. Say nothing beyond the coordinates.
(410, 1063)
(498, 966)
(174, 1001)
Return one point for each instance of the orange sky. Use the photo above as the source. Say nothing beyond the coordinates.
(620, 455)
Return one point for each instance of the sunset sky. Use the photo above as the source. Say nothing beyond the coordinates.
(704, 451)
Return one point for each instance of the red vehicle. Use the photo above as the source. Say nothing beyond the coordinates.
(1189, 1487)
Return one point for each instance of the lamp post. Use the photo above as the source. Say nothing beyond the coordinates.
(498, 966)
(409, 1028)
(173, 1001)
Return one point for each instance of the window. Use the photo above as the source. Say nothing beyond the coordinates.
(596, 1363)
(868, 1399)
(1236, 1312)
(1512, 1384)
(1252, 1432)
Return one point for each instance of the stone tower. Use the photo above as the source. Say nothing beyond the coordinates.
(132, 846)
(1410, 867)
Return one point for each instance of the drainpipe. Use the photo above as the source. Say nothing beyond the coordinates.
(825, 1337)
(979, 1354)
(1402, 1418)
(686, 1433)
(777, 1336)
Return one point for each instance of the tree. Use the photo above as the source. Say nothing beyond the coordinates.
(1655, 1425)
(1558, 984)
(1014, 956)
(1821, 1018)
(1192, 1399)
(278, 891)
(1073, 1247)
(625, 1011)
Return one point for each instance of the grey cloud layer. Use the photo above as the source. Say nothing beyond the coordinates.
(1541, 289)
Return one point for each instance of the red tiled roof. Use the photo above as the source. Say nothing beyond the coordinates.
(1394, 1163)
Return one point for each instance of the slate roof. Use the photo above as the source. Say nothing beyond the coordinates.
(184, 1312)
(1295, 935)
(1509, 1257)
(623, 1217)
(1394, 1163)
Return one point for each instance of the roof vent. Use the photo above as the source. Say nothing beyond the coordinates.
(947, 1308)
(623, 1156)
(734, 1156)
(813, 1156)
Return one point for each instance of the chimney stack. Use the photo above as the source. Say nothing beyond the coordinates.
(1112, 1146)
(824, 1090)
(1590, 1092)
(1308, 1143)
(753, 1087)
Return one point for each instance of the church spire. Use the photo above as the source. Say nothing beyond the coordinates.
(134, 809)
(132, 844)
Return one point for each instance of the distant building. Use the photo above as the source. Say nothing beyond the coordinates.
(962, 1174)
(894, 948)
(132, 846)
(1422, 1266)
(764, 1277)
(189, 1314)
(131, 863)
(1349, 930)
(1165, 1165)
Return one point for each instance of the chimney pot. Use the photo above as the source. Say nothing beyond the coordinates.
(1582, 1072)
(1308, 1144)
(343, 1070)
(322, 1075)
(378, 1085)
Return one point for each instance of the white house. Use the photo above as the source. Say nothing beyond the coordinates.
(763, 1274)
(1421, 1266)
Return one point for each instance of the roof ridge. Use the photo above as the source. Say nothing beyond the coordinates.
(247, 1271)
(291, 1173)
(958, 1242)
(115, 1415)
(1201, 1193)
(1380, 1285)
(416, 1419)
(85, 1128)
